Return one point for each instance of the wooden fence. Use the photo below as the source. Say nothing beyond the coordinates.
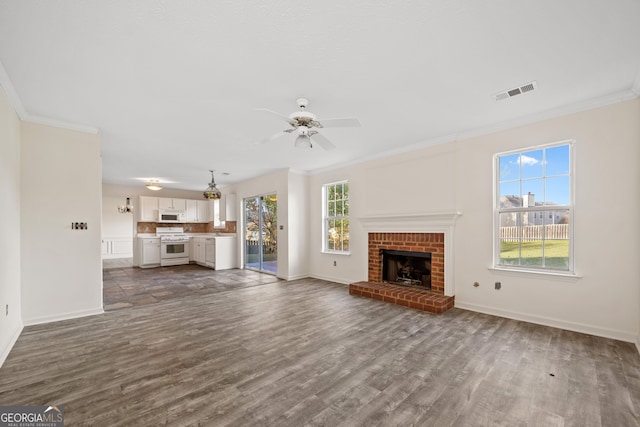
(267, 247)
(535, 232)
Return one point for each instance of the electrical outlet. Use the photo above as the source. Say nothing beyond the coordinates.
(498, 285)
(335, 263)
(7, 310)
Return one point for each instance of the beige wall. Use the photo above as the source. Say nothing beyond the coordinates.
(61, 183)
(603, 300)
(458, 176)
(11, 323)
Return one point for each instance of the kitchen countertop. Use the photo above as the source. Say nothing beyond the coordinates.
(204, 235)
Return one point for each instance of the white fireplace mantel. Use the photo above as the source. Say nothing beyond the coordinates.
(434, 222)
(422, 222)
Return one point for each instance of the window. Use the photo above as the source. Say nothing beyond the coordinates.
(336, 217)
(534, 209)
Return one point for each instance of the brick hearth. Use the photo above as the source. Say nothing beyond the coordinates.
(433, 301)
(402, 295)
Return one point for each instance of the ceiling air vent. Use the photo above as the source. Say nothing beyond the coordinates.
(528, 87)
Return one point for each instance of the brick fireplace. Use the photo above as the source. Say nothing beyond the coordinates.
(422, 233)
(411, 242)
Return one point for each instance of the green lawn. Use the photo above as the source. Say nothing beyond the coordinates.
(556, 254)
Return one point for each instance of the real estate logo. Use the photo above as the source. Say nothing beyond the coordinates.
(31, 416)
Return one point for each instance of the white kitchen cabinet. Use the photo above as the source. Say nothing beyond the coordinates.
(230, 208)
(172, 204)
(113, 248)
(197, 211)
(149, 252)
(210, 252)
(225, 252)
(214, 252)
(198, 250)
(224, 210)
(147, 209)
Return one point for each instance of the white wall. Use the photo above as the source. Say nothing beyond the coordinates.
(114, 223)
(11, 324)
(61, 183)
(604, 300)
(298, 225)
(459, 177)
(276, 182)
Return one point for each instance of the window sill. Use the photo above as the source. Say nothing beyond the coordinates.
(559, 274)
(336, 253)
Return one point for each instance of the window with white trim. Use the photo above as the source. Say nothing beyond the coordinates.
(336, 217)
(534, 209)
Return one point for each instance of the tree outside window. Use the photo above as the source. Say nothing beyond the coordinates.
(336, 217)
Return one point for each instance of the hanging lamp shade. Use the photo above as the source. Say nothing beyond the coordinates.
(212, 192)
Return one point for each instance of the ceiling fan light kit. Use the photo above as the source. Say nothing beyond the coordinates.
(303, 141)
(305, 123)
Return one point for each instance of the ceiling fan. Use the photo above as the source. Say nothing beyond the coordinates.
(305, 125)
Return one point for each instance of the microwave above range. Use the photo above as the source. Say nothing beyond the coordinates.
(170, 215)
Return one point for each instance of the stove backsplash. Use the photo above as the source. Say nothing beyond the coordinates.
(150, 227)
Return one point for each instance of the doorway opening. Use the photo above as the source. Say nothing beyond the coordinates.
(261, 233)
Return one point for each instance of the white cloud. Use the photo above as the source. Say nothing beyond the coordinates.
(526, 160)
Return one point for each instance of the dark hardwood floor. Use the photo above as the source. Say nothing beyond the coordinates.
(307, 353)
(132, 287)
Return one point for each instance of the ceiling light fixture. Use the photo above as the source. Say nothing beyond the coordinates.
(303, 140)
(212, 192)
(127, 207)
(154, 185)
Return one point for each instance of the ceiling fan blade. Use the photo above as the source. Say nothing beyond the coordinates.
(282, 116)
(323, 141)
(274, 136)
(342, 122)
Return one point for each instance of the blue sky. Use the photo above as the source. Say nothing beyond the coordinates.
(531, 171)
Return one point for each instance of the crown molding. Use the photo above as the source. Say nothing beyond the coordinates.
(61, 124)
(589, 104)
(636, 85)
(12, 95)
(22, 113)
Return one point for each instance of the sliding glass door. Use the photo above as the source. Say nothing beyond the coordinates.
(261, 233)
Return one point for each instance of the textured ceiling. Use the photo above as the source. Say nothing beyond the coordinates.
(173, 86)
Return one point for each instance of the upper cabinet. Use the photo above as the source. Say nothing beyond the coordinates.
(224, 210)
(201, 211)
(197, 210)
(230, 208)
(148, 209)
(172, 204)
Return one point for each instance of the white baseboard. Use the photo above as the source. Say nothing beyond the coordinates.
(293, 277)
(63, 316)
(331, 279)
(556, 323)
(9, 345)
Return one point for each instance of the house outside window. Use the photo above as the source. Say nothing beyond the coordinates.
(336, 217)
(534, 209)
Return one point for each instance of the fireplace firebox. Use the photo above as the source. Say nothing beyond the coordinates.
(407, 268)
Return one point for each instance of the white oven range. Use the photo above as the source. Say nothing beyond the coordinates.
(174, 246)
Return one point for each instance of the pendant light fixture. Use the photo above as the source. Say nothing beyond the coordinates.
(154, 185)
(126, 208)
(212, 192)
